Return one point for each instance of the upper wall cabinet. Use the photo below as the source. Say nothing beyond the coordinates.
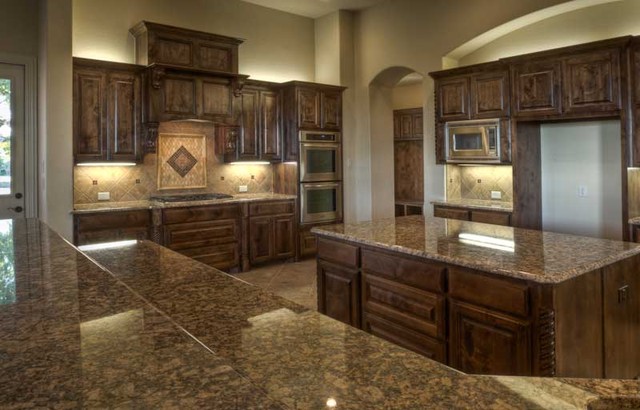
(474, 92)
(408, 124)
(634, 131)
(308, 106)
(107, 111)
(579, 81)
(161, 44)
(260, 136)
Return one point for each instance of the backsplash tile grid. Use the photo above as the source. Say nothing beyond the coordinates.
(477, 182)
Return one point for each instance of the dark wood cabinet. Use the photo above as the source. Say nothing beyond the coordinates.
(162, 44)
(475, 215)
(209, 234)
(452, 99)
(486, 342)
(107, 111)
(270, 129)
(97, 227)
(490, 94)
(634, 117)
(308, 106)
(272, 231)
(408, 124)
(340, 290)
(248, 141)
(536, 87)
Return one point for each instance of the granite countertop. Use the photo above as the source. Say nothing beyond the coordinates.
(542, 257)
(483, 204)
(133, 205)
(140, 326)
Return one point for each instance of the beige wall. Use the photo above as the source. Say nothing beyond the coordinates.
(583, 154)
(278, 46)
(580, 26)
(54, 115)
(19, 27)
(327, 49)
(407, 96)
(415, 34)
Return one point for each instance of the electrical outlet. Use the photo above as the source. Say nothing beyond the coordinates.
(104, 196)
(243, 188)
(582, 191)
(496, 195)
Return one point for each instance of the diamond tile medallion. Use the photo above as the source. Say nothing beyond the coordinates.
(182, 161)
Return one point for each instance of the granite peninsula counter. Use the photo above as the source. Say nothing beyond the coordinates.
(139, 326)
(485, 298)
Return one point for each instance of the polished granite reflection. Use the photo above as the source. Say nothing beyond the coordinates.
(145, 327)
(543, 257)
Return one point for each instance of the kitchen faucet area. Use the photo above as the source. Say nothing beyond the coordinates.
(346, 204)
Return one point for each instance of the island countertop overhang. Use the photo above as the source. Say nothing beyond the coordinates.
(536, 256)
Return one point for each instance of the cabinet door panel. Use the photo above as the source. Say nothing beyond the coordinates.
(490, 95)
(260, 239)
(179, 98)
(453, 99)
(308, 108)
(123, 113)
(406, 125)
(485, 342)
(417, 126)
(407, 338)
(270, 126)
(212, 56)
(215, 99)
(89, 127)
(248, 148)
(199, 234)
(284, 236)
(173, 51)
(592, 82)
(223, 256)
(536, 88)
(331, 110)
(451, 213)
(339, 293)
(489, 217)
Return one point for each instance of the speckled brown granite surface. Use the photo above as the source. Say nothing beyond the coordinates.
(148, 328)
(482, 204)
(133, 205)
(543, 257)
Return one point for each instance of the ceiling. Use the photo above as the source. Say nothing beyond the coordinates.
(315, 8)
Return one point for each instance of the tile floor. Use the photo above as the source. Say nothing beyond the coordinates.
(295, 281)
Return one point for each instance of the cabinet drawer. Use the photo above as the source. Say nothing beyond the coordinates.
(451, 213)
(413, 308)
(219, 256)
(407, 338)
(200, 213)
(111, 235)
(110, 220)
(501, 294)
(271, 208)
(490, 217)
(196, 234)
(338, 252)
(419, 274)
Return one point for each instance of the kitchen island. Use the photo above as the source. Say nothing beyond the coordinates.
(487, 299)
(136, 325)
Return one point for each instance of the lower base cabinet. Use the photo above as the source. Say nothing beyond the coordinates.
(474, 215)
(272, 231)
(482, 323)
(97, 227)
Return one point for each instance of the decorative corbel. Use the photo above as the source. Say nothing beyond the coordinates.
(156, 76)
(151, 137)
(237, 84)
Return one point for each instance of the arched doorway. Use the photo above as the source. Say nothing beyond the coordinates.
(395, 88)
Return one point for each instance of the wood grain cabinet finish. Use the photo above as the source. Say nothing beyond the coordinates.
(490, 94)
(536, 87)
(107, 111)
(308, 102)
(452, 99)
(98, 227)
(272, 231)
(331, 109)
(408, 124)
(209, 234)
(474, 215)
(634, 137)
(162, 44)
(339, 292)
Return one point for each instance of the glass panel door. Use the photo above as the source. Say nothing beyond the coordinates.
(11, 141)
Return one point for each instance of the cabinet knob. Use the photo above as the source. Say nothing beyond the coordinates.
(16, 209)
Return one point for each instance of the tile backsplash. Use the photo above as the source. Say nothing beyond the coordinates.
(141, 181)
(477, 182)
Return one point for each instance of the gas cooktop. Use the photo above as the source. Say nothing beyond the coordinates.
(189, 197)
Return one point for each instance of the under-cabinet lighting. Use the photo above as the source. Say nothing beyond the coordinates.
(107, 245)
(250, 163)
(106, 164)
(290, 162)
(487, 242)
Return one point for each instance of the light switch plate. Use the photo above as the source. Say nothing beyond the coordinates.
(243, 188)
(104, 196)
(496, 195)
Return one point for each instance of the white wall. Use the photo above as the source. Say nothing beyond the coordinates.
(278, 46)
(582, 154)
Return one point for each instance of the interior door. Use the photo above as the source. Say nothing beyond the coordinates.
(11, 141)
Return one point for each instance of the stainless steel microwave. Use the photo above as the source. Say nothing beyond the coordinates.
(473, 141)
